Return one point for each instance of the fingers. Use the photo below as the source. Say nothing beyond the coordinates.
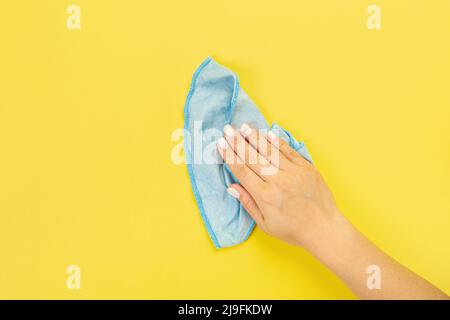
(262, 154)
(247, 201)
(255, 139)
(246, 152)
(264, 147)
(285, 149)
(247, 177)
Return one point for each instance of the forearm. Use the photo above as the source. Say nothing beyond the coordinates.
(346, 252)
(295, 205)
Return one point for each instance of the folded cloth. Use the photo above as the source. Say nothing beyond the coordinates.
(215, 99)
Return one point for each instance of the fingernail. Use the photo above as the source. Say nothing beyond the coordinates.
(222, 143)
(229, 131)
(272, 136)
(233, 192)
(246, 130)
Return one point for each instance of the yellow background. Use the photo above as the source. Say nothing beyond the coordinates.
(86, 116)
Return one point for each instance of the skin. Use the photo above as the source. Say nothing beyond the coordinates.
(289, 200)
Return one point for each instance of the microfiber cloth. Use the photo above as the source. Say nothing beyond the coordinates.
(215, 99)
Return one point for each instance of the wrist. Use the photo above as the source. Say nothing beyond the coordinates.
(333, 239)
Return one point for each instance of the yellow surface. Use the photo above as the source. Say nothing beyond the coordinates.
(86, 117)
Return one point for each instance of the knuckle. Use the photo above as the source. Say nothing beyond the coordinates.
(246, 202)
(269, 170)
(239, 171)
(230, 159)
(291, 152)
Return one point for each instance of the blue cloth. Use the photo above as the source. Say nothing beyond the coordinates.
(215, 99)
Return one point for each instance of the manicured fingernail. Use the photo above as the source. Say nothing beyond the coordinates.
(272, 136)
(246, 130)
(233, 192)
(222, 143)
(229, 131)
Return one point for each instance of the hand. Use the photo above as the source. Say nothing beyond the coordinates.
(288, 199)
(282, 191)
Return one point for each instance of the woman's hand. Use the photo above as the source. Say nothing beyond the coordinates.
(283, 192)
(288, 199)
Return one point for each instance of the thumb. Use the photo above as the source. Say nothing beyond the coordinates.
(237, 191)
